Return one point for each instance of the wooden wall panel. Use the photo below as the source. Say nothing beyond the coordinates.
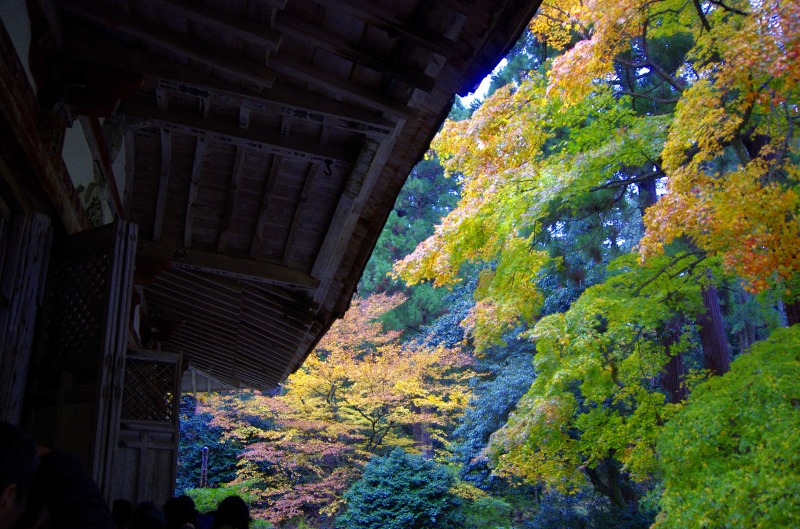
(24, 253)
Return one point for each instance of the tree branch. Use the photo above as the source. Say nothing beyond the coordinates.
(702, 15)
(729, 8)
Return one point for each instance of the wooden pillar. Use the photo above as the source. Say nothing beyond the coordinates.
(24, 252)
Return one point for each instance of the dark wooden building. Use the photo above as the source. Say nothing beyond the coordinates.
(189, 192)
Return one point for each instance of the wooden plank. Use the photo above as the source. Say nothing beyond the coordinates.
(96, 142)
(263, 212)
(310, 73)
(130, 165)
(134, 26)
(377, 16)
(209, 305)
(219, 351)
(366, 172)
(20, 109)
(301, 212)
(94, 48)
(233, 194)
(226, 266)
(339, 46)
(258, 140)
(119, 284)
(194, 186)
(163, 183)
(224, 21)
(280, 99)
(24, 256)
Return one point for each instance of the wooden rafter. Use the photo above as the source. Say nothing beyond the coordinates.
(163, 183)
(311, 74)
(258, 140)
(280, 99)
(233, 195)
(377, 16)
(365, 173)
(148, 31)
(301, 210)
(224, 21)
(194, 186)
(94, 48)
(226, 266)
(263, 211)
(339, 46)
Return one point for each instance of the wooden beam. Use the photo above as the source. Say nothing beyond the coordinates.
(233, 194)
(96, 142)
(310, 73)
(339, 46)
(147, 30)
(280, 99)
(300, 212)
(163, 183)
(20, 115)
(191, 204)
(94, 48)
(257, 140)
(377, 16)
(226, 266)
(366, 172)
(263, 211)
(130, 166)
(224, 21)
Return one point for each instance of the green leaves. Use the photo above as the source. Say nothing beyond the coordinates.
(731, 457)
(594, 398)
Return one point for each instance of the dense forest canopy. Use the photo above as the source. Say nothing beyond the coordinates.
(585, 323)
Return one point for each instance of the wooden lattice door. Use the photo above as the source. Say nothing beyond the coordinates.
(149, 429)
(77, 373)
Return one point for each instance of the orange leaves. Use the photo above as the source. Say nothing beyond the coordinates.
(612, 26)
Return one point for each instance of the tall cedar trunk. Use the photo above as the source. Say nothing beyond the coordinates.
(673, 380)
(716, 352)
(748, 332)
(647, 194)
(792, 312)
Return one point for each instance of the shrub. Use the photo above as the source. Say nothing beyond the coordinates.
(399, 491)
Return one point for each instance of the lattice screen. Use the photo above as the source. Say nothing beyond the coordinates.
(77, 323)
(149, 393)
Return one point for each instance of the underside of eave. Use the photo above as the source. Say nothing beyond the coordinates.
(265, 148)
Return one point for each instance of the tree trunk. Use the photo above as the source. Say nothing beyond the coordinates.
(748, 332)
(647, 194)
(422, 435)
(716, 351)
(792, 312)
(673, 380)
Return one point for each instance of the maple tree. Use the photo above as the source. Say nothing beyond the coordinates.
(358, 394)
(700, 96)
(594, 410)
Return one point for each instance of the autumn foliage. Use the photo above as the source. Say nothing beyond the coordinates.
(360, 393)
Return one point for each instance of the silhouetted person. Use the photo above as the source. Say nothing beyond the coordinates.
(18, 464)
(122, 513)
(180, 513)
(147, 515)
(232, 513)
(70, 495)
(53, 488)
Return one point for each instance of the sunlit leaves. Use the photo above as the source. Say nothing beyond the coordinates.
(595, 396)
